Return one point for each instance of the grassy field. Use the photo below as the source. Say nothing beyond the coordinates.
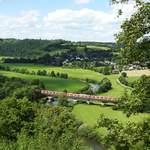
(57, 84)
(58, 52)
(116, 90)
(90, 113)
(98, 48)
(132, 79)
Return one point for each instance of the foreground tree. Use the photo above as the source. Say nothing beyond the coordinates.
(139, 99)
(134, 44)
(131, 136)
(26, 125)
(134, 38)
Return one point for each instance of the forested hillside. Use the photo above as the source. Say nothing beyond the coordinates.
(52, 51)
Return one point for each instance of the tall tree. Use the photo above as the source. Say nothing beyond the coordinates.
(134, 38)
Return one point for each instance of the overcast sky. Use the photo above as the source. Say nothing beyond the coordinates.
(76, 20)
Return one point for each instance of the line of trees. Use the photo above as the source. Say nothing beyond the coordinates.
(39, 72)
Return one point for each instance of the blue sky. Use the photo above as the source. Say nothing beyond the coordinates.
(86, 20)
(15, 6)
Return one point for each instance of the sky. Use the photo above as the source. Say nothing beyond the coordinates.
(75, 20)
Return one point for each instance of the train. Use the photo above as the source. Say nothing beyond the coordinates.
(81, 96)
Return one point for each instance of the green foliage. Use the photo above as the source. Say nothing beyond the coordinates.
(89, 133)
(124, 74)
(107, 70)
(123, 80)
(13, 87)
(53, 74)
(105, 85)
(30, 93)
(131, 136)
(134, 38)
(59, 128)
(139, 99)
(42, 72)
(7, 86)
(26, 125)
(63, 101)
(15, 115)
(52, 52)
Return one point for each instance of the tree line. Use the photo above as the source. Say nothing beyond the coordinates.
(39, 72)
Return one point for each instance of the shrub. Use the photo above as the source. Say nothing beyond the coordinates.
(107, 70)
(124, 74)
(105, 85)
(123, 80)
(53, 74)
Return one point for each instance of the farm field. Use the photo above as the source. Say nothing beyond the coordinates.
(90, 113)
(137, 73)
(116, 90)
(57, 84)
(98, 48)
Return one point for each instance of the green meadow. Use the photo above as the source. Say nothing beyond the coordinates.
(90, 113)
(79, 74)
(132, 79)
(98, 48)
(57, 84)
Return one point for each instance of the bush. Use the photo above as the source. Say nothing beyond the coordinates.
(123, 80)
(88, 133)
(64, 75)
(58, 74)
(53, 74)
(105, 85)
(107, 70)
(63, 101)
(124, 74)
(42, 72)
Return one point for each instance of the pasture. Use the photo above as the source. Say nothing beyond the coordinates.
(80, 74)
(90, 113)
(132, 78)
(99, 48)
(55, 84)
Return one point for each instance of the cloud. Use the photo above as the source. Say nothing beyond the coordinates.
(83, 1)
(17, 26)
(84, 24)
